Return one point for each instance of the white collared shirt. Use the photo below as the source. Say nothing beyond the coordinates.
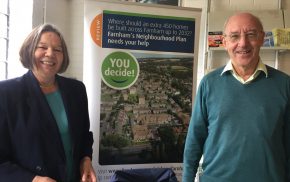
(260, 68)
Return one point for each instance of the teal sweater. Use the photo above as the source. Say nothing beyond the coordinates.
(57, 107)
(242, 130)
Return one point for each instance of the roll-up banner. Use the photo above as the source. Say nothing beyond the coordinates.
(140, 65)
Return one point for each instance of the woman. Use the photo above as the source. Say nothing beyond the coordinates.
(44, 121)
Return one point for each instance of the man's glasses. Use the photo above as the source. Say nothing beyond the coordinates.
(236, 37)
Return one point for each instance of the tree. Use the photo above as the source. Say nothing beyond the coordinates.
(114, 140)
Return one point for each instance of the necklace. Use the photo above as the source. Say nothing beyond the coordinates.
(49, 85)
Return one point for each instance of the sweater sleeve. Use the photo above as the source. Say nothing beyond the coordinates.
(196, 136)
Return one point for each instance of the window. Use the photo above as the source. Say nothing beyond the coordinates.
(4, 38)
(19, 26)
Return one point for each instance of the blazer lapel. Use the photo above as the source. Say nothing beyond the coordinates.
(40, 108)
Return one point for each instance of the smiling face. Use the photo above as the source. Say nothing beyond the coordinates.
(48, 57)
(243, 38)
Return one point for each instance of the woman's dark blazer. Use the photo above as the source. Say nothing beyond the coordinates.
(30, 142)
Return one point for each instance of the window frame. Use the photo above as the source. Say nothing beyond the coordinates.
(4, 36)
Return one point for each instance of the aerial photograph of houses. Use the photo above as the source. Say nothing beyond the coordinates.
(147, 123)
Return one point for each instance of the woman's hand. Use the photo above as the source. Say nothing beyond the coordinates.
(87, 170)
(42, 179)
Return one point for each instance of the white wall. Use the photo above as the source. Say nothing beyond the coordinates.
(67, 15)
(193, 3)
(76, 38)
(218, 5)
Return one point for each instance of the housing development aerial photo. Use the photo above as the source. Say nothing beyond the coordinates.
(147, 123)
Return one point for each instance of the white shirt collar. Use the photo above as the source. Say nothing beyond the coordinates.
(260, 68)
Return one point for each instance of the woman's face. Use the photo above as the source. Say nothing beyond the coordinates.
(48, 56)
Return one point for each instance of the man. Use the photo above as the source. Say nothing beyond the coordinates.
(241, 117)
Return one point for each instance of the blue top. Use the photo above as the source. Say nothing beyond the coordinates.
(56, 105)
(242, 130)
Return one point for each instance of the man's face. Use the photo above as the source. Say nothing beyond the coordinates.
(243, 39)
